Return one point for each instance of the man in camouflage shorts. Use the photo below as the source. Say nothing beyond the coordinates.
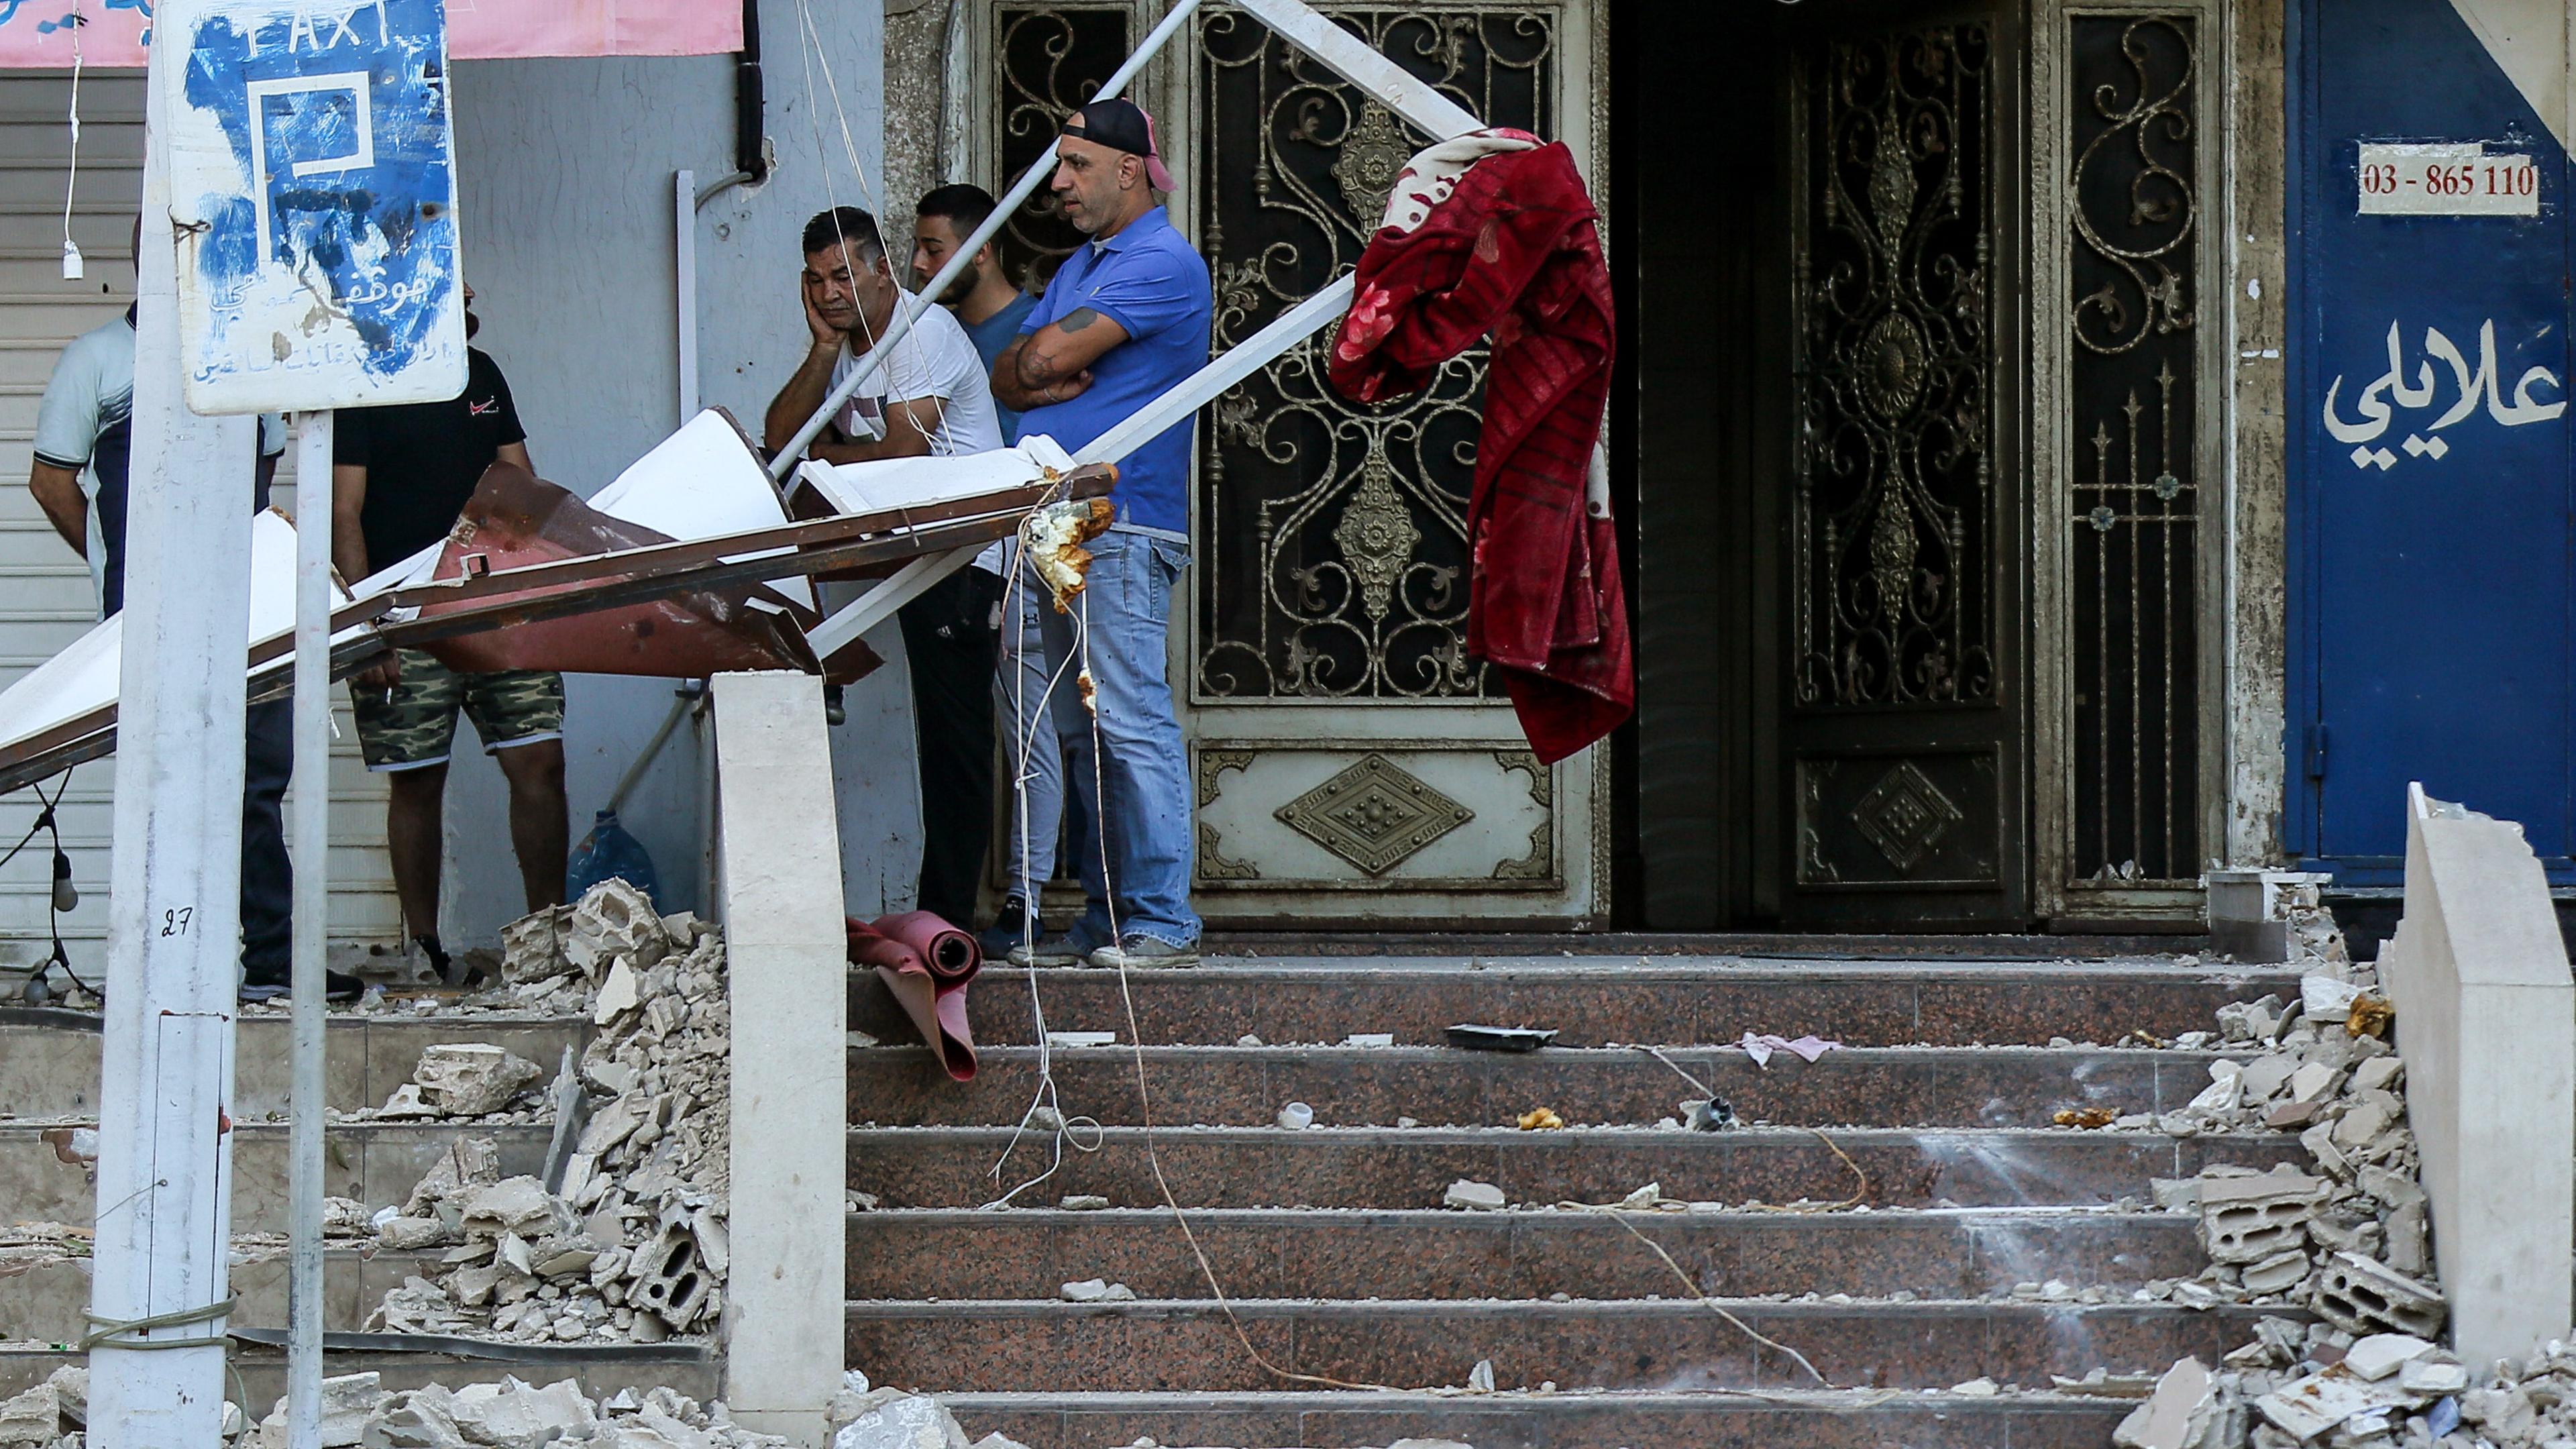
(399, 480)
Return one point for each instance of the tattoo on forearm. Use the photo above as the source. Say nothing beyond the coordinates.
(1077, 319)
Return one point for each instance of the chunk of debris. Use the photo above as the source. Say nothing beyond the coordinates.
(2177, 1415)
(462, 1079)
(1498, 1038)
(2308, 1407)
(2085, 1118)
(1098, 1290)
(2248, 1217)
(1083, 1202)
(2360, 1296)
(1472, 1196)
(1541, 1119)
(2381, 1354)
(1480, 1379)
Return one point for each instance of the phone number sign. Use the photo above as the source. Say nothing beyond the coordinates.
(2451, 179)
(313, 190)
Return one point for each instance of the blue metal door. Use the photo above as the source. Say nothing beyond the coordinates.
(2430, 579)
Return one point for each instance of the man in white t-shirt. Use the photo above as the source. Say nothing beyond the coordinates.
(932, 397)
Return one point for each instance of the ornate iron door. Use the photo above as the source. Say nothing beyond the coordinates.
(1352, 762)
(1903, 732)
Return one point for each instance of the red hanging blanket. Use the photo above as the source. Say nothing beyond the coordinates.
(1510, 248)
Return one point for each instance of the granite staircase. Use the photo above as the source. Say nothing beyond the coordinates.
(1903, 1213)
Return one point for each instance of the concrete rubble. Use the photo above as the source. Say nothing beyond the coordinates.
(358, 1412)
(2348, 1239)
(2308, 1384)
(633, 1246)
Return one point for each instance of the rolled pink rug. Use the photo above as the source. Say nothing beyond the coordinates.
(926, 963)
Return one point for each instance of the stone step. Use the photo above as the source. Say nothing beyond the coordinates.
(1443, 1086)
(1326, 1420)
(45, 1303)
(1039, 1346)
(49, 1058)
(374, 1162)
(1244, 1167)
(690, 1367)
(1311, 1253)
(1662, 1000)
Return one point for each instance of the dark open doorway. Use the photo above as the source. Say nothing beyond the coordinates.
(1820, 221)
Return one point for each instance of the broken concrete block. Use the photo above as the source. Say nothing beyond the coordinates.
(618, 995)
(2258, 1216)
(1083, 1202)
(532, 947)
(511, 1413)
(2264, 1077)
(2276, 1274)
(614, 919)
(2381, 1354)
(468, 1162)
(468, 1079)
(2379, 1074)
(1097, 1290)
(2218, 1096)
(893, 1419)
(2360, 1296)
(414, 1420)
(2364, 1120)
(2310, 1406)
(2176, 1194)
(2291, 1116)
(1473, 1196)
(2408, 1249)
(519, 1206)
(667, 1276)
(2431, 1375)
(409, 1234)
(2313, 1082)
(2177, 1415)
(34, 1417)
(2323, 998)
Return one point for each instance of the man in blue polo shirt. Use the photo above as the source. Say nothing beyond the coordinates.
(1125, 318)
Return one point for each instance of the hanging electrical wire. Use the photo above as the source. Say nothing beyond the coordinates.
(72, 266)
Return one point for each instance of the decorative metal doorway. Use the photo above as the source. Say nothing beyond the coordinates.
(2129, 807)
(1351, 762)
(1902, 736)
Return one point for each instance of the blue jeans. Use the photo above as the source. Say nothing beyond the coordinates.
(1143, 766)
(1047, 744)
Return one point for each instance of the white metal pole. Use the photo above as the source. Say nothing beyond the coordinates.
(312, 834)
(919, 302)
(684, 261)
(165, 1164)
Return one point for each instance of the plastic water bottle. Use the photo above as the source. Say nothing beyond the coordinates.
(609, 853)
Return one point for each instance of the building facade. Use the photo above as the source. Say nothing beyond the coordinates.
(2057, 450)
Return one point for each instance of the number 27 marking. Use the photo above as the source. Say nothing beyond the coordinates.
(175, 922)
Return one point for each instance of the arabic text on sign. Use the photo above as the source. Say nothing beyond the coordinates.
(2380, 399)
(2451, 179)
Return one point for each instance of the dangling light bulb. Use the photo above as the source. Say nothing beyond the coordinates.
(66, 895)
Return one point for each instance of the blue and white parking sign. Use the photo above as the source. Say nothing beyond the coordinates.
(313, 186)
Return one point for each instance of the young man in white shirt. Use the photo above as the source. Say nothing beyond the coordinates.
(932, 397)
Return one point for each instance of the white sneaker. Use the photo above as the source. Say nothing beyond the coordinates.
(1142, 952)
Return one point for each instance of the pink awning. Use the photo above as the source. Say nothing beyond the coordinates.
(37, 34)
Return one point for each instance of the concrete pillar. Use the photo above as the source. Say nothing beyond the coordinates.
(778, 853)
(2486, 1020)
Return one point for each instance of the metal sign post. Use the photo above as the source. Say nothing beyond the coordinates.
(158, 1299)
(299, 253)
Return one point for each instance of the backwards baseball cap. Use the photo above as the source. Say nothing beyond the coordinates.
(1122, 125)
